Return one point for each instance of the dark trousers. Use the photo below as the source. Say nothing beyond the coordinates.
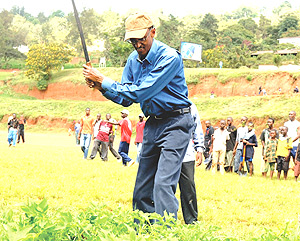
(164, 146)
(123, 152)
(21, 134)
(188, 196)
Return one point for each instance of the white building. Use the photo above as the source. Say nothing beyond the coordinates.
(290, 40)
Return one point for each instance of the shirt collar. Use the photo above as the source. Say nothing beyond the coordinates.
(151, 54)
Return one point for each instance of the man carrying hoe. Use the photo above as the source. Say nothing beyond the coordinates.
(154, 77)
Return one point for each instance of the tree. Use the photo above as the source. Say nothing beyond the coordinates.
(263, 25)
(90, 22)
(168, 31)
(210, 24)
(42, 18)
(43, 58)
(116, 50)
(283, 8)
(244, 12)
(212, 57)
(21, 11)
(248, 24)
(57, 13)
(238, 34)
(277, 60)
(11, 38)
(237, 57)
(288, 22)
(291, 33)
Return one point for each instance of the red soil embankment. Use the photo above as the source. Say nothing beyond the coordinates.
(235, 87)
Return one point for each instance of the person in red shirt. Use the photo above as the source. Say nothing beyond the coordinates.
(140, 125)
(102, 139)
(126, 131)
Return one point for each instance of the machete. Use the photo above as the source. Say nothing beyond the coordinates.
(86, 55)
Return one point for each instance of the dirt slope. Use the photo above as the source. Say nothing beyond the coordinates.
(236, 87)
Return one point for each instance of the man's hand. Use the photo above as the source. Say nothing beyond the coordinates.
(92, 84)
(198, 159)
(92, 76)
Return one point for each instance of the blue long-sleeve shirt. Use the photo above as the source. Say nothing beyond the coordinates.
(157, 82)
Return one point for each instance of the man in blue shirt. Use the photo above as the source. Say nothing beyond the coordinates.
(154, 77)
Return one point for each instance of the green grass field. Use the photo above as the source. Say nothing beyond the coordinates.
(50, 165)
(91, 200)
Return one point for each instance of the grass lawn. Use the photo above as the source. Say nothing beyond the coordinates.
(50, 165)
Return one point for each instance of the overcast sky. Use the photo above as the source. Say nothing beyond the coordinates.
(177, 8)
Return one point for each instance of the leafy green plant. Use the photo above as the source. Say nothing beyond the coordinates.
(249, 78)
(42, 84)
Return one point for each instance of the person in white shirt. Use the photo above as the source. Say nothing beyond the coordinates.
(218, 147)
(238, 148)
(293, 132)
(96, 125)
(187, 187)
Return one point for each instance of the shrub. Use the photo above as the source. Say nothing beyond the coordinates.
(42, 84)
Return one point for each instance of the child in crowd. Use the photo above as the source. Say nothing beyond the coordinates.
(12, 135)
(284, 146)
(297, 163)
(270, 153)
(249, 142)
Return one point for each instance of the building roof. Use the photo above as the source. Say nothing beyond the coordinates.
(289, 37)
(284, 51)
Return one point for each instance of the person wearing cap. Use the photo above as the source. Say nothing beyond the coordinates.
(154, 77)
(126, 131)
(140, 125)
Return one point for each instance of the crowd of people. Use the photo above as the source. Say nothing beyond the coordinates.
(103, 131)
(231, 149)
(15, 129)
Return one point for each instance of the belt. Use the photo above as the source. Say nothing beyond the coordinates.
(173, 113)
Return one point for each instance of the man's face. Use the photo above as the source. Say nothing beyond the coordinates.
(270, 123)
(292, 116)
(222, 125)
(141, 118)
(243, 121)
(123, 115)
(108, 116)
(143, 47)
(229, 121)
(14, 116)
(98, 117)
(87, 111)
